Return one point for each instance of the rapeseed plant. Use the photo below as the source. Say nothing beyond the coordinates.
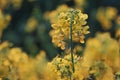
(61, 29)
(101, 56)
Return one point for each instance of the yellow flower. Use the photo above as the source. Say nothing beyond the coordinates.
(62, 67)
(4, 71)
(4, 45)
(4, 21)
(61, 29)
(99, 49)
(80, 4)
(105, 15)
(17, 56)
(117, 35)
(32, 23)
(118, 20)
(6, 63)
(17, 3)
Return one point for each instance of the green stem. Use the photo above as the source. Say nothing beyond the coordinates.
(119, 46)
(71, 45)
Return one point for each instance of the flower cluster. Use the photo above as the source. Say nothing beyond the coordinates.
(80, 4)
(6, 3)
(16, 64)
(100, 61)
(4, 21)
(62, 68)
(105, 16)
(32, 24)
(6, 17)
(61, 29)
(101, 57)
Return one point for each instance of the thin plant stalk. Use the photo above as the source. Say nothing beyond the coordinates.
(71, 45)
(119, 44)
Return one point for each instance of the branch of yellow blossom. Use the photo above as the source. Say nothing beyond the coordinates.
(60, 32)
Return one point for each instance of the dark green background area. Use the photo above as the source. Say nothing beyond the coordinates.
(39, 39)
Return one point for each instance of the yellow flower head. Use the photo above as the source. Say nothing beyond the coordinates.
(4, 21)
(105, 15)
(62, 67)
(102, 48)
(61, 29)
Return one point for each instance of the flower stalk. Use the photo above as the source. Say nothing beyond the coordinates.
(71, 44)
